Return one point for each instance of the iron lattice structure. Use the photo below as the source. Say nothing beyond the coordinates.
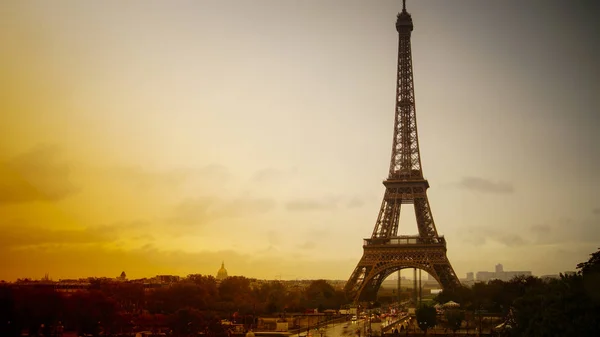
(386, 252)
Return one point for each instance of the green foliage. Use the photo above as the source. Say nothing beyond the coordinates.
(495, 296)
(234, 289)
(590, 271)
(320, 294)
(426, 317)
(569, 306)
(455, 318)
(188, 321)
(275, 295)
(592, 266)
(194, 304)
(559, 308)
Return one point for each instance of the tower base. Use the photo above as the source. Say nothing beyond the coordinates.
(380, 260)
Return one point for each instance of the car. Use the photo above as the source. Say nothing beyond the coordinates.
(354, 318)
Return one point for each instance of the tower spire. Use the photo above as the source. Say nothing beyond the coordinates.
(404, 5)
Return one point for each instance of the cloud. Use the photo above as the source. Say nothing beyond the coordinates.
(274, 176)
(145, 179)
(485, 186)
(19, 235)
(310, 205)
(567, 230)
(267, 175)
(355, 202)
(37, 175)
(559, 231)
(216, 172)
(473, 236)
(478, 236)
(541, 229)
(148, 261)
(199, 211)
(144, 237)
(307, 245)
(273, 238)
(136, 230)
(511, 240)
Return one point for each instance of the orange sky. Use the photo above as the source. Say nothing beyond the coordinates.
(163, 138)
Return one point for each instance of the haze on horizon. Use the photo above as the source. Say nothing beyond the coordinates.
(165, 137)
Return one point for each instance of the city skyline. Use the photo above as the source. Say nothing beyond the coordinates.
(222, 273)
(164, 138)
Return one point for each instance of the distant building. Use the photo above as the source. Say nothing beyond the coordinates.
(222, 273)
(500, 274)
(484, 276)
(167, 279)
(470, 276)
(550, 277)
(122, 277)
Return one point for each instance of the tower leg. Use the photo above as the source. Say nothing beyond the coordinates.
(399, 287)
(415, 285)
(420, 288)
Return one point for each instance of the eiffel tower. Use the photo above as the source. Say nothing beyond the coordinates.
(386, 251)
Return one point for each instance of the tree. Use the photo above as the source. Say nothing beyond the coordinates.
(274, 296)
(455, 318)
(592, 266)
(590, 271)
(563, 307)
(460, 294)
(321, 294)
(234, 289)
(9, 324)
(208, 286)
(426, 317)
(90, 310)
(186, 321)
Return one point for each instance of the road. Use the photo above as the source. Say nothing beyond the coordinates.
(344, 329)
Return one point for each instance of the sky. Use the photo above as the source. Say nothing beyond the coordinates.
(164, 137)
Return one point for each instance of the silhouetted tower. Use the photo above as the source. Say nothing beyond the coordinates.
(386, 252)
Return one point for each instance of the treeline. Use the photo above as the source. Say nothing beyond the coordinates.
(568, 306)
(196, 303)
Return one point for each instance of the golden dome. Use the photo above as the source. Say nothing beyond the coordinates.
(222, 273)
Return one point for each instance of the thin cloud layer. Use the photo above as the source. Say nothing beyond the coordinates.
(308, 245)
(562, 230)
(479, 236)
(486, 186)
(202, 210)
(148, 261)
(144, 178)
(21, 235)
(37, 175)
(310, 204)
(267, 175)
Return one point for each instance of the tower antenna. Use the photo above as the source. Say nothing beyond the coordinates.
(404, 5)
